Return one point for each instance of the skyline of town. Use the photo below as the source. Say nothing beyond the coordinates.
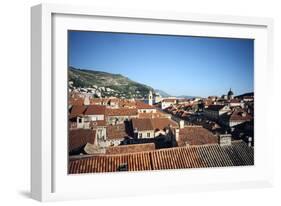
(111, 134)
(105, 52)
(119, 123)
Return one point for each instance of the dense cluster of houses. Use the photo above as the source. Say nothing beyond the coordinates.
(114, 122)
(227, 113)
(106, 126)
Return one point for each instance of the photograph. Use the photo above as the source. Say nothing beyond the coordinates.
(145, 102)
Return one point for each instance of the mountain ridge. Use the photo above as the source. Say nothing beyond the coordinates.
(109, 84)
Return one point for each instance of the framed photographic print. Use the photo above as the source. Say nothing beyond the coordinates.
(135, 102)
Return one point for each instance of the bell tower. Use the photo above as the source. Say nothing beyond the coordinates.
(150, 98)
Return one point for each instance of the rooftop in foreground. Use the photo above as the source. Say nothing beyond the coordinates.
(202, 156)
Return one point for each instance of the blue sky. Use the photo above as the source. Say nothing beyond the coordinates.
(178, 65)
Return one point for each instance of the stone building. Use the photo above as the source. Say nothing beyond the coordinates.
(214, 112)
(151, 128)
(119, 116)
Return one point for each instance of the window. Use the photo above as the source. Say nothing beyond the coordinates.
(80, 120)
(140, 135)
(148, 134)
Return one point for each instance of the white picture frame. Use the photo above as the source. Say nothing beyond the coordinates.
(49, 179)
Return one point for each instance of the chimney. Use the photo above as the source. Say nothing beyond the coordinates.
(250, 139)
(96, 139)
(87, 100)
(136, 132)
(177, 134)
(225, 139)
(181, 124)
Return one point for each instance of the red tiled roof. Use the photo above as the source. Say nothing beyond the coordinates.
(169, 100)
(80, 137)
(95, 110)
(153, 124)
(98, 123)
(215, 107)
(142, 105)
(183, 100)
(127, 104)
(142, 124)
(121, 112)
(133, 148)
(96, 101)
(207, 102)
(113, 100)
(151, 115)
(76, 101)
(77, 110)
(214, 155)
(87, 110)
(196, 135)
(161, 123)
(116, 131)
(240, 115)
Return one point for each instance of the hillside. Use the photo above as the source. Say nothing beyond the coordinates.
(245, 94)
(105, 84)
(162, 93)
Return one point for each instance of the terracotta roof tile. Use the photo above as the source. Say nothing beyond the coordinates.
(169, 100)
(214, 155)
(121, 112)
(133, 148)
(77, 110)
(80, 137)
(76, 101)
(240, 115)
(142, 105)
(153, 124)
(161, 123)
(98, 123)
(96, 101)
(142, 124)
(111, 163)
(215, 107)
(196, 135)
(116, 131)
(95, 110)
(151, 115)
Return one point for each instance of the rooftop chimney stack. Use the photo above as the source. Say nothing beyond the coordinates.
(225, 139)
(177, 134)
(87, 100)
(250, 139)
(136, 132)
(181, 124)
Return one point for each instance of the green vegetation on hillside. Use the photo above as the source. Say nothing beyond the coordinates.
(108, 84)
